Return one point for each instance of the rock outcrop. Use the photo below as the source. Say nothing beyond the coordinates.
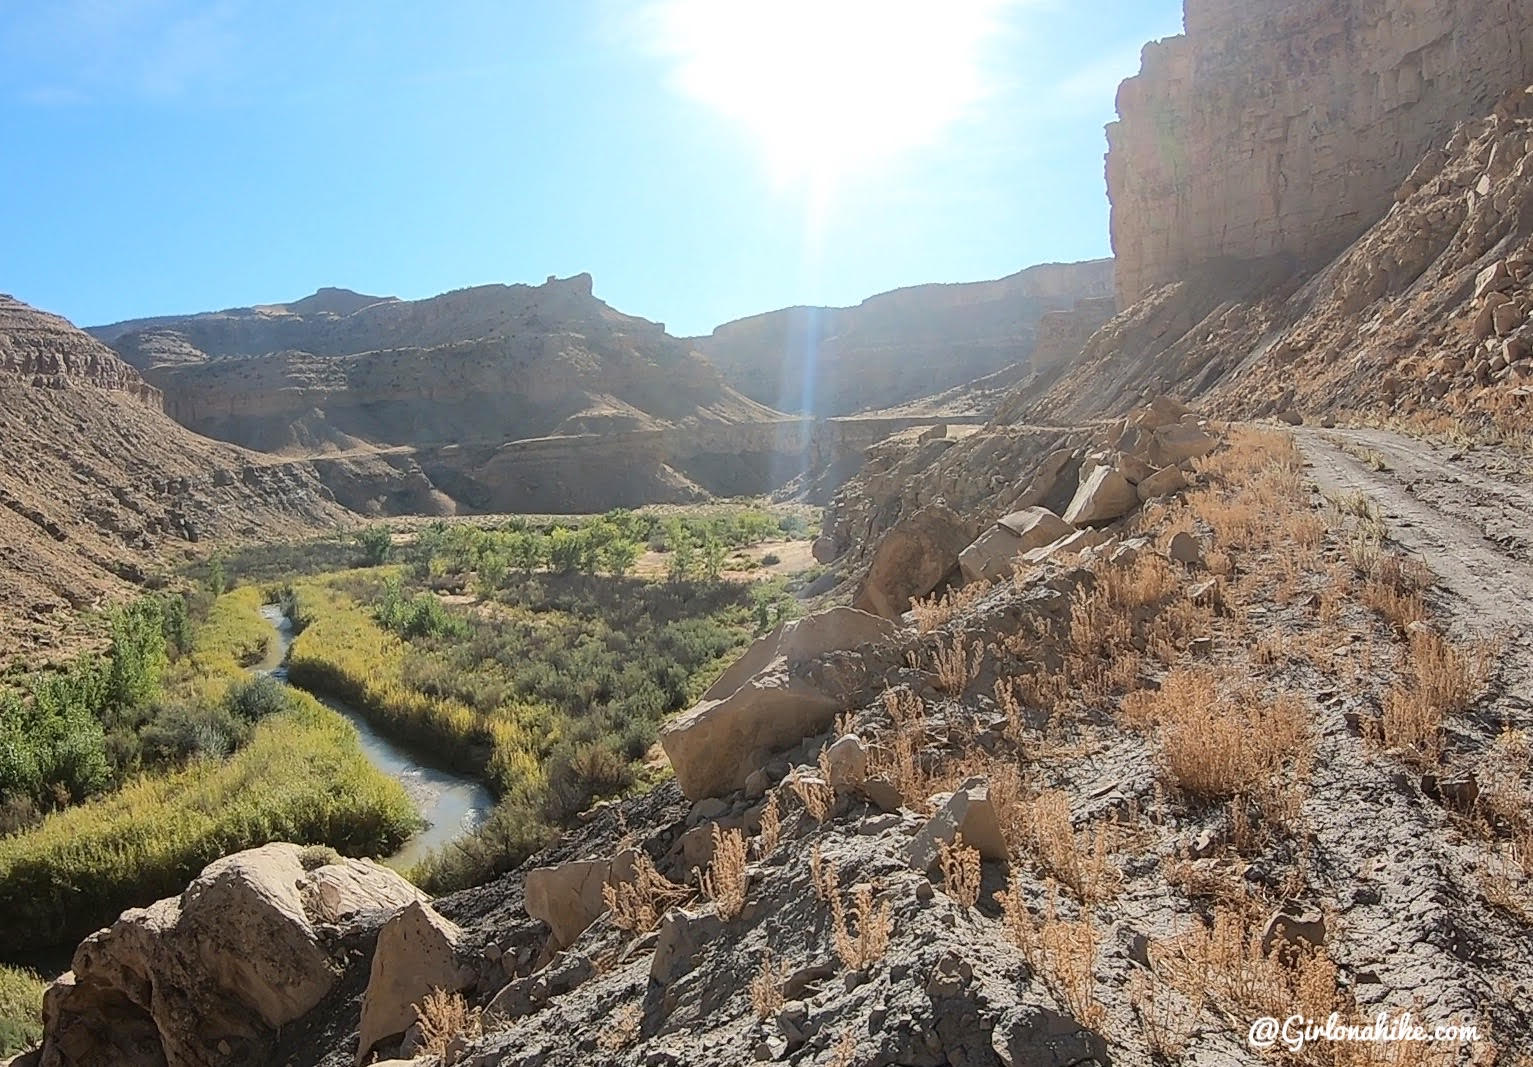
(1284, 127)
(914, 557)
(206, 978)
(902, 345)
(416, 953)
(98, 484)
(788, 685)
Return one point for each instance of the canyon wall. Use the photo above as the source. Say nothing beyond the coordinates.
(898, 346)
(1284, 127)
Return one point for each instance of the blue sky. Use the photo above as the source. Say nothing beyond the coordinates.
(703, 159)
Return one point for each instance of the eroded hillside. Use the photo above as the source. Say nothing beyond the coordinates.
(100, 487)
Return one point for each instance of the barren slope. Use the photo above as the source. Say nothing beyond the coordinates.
(98, 487)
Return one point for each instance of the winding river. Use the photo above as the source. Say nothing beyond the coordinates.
(451, 804)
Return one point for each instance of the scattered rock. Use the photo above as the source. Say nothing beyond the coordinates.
(765, 702)
(1184, 549)
(846, 761)
(968, 812)
(1293, 928)
(912, 559)
(1103, 496)
(567, 897)
(991, 556)
(416, 953)
(1164, 482)
(683, 934)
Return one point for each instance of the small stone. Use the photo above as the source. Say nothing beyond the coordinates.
(846, 762)
(1293, 929)
(949, 977)
(1184, 549)
(1206, 593)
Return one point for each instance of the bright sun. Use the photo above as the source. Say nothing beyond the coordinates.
(831, 86)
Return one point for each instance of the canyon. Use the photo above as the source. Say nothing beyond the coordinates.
(1186, 676)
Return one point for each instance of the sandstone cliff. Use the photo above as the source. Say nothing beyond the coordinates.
(897, 346)
(98, 487)
(500, 397)
(1283, 126)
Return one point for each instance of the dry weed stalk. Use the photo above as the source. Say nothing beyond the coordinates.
(725, 881)
(622, 1029)
(873, 922)
(771, 824)
(1060, 952)
(766, 987)
(1440, 680)
(956, 665)
(636, 906)
(1224, 969)
(1164, 1022)
(817, 795)
(936, 611)
(960, 871)
(844, 1053)
(1080, 860)
(822, 875)
(1216, 747)
(442, 1017)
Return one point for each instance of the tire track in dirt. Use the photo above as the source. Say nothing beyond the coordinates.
(1437, 519)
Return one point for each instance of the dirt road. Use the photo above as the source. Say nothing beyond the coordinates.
(1466, 514)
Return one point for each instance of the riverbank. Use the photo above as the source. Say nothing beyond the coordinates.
(449, 804)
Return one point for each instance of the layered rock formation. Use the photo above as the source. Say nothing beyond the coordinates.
(1426, 315)
(897, 346)
(97, 483)
(1283, 127)
(494, 398)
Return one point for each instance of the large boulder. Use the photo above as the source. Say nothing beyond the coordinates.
(417, 952)
(567, 897)
(1163, 482)
(912, 558)
(785, 688)
(1052, 478)
(991, 555)
(206, 978)
(1104, 495)
(1178, 443)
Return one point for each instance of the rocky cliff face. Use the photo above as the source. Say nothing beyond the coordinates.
(898, 346)
(1425, 316)
(500, 397)
(98, 486)
(45, 351)
(1283, 127)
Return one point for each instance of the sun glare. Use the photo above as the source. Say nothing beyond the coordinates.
(828, 86)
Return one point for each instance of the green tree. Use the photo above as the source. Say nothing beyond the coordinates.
(527, 550)
(137, 655)
(619, 556)
(218, 582)
(491, 573)
(715, 552)
(683, 561)
(377, 544)
(566, 550)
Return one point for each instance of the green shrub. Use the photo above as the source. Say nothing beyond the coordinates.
(21, 1009)
(376, 544)
(303, 778)
(257, 698)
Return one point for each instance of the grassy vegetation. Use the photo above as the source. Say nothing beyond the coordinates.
(21, 1009)
(202, 761)
(549, 684)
